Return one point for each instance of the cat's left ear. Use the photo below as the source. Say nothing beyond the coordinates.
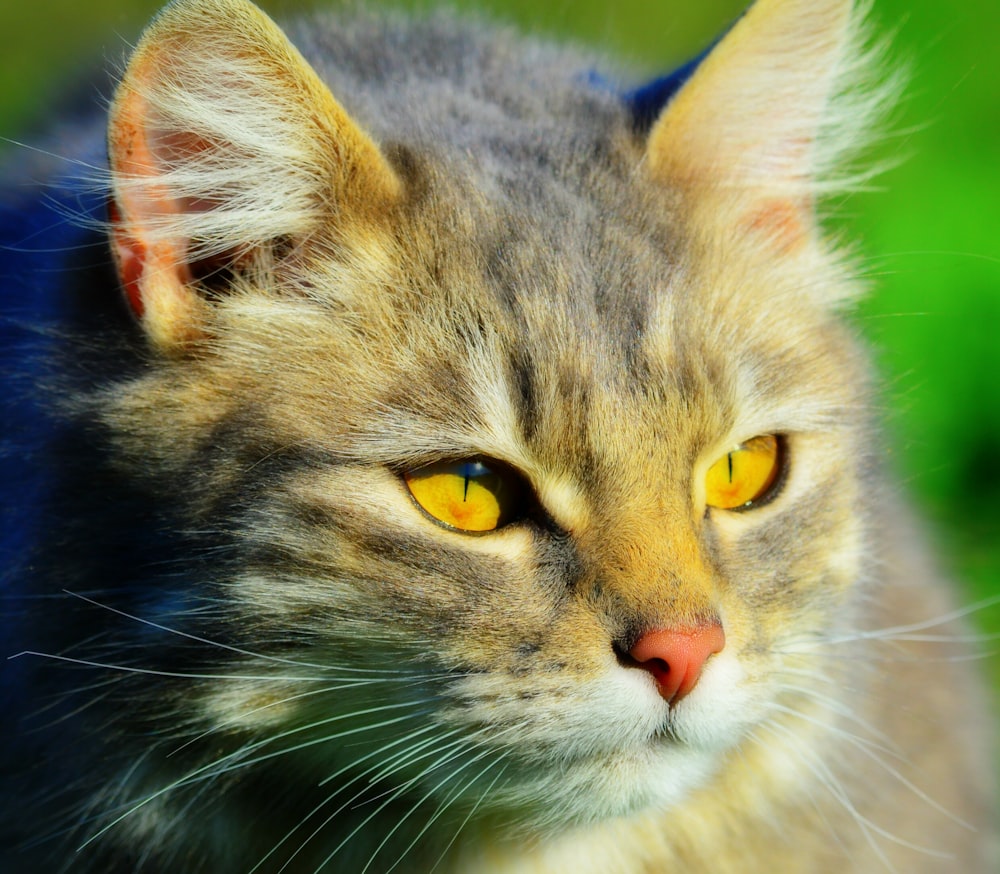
(747, 136)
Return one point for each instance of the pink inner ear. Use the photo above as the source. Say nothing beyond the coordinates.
(140, 204)
(130, 255)
(784, 222)
(171, 149)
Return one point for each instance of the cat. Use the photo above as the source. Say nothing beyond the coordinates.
(440, 455)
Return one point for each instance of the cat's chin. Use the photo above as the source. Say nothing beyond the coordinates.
(562, 796)
(689, 745)
(616, 748)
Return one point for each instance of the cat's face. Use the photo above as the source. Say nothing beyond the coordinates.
(600, 338)
(606, 382)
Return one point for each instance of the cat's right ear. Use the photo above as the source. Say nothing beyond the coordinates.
(224, 141)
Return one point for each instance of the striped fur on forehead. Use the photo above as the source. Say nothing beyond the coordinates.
(753, 330)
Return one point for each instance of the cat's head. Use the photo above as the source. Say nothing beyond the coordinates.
(511, 410)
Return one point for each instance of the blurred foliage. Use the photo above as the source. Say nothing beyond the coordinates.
(930, 242)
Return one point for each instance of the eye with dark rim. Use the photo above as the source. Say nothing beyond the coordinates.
(472, 495)
(748, 475)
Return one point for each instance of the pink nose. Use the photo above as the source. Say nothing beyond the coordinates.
(675, 656)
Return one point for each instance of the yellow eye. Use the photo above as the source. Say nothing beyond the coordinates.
(744, 475)
(467, 495)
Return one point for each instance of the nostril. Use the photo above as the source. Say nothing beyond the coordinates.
(676, 656)
(659, 668)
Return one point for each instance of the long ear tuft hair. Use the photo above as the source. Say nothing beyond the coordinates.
(223, 139)
(782, 106)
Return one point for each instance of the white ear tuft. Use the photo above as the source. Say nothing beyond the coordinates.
(222, 139)
(768, 117)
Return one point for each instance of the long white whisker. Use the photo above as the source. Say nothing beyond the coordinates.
(405, 759)
(871, 751)
(340, 772)
(213, 769)
(483, 795)
(884, 744)
(448, 800)
(817, 806)
(326, 738)
(826, 777)
(238, 720)
(374, 774)
(225, 646)
(828, 780)
(187, 675)
(460, 744)
(902, 632)
(391, 796)
(430, 793)
(381, 753)
(95, 170)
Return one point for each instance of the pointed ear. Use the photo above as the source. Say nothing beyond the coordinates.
(749, 133)
(222, 142)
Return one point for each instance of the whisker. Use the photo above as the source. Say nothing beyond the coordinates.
(233, 760)
(380, 752)
(223, 646)
(430, 793)
(818, 766)
(834, 705)
(383, 771)
(901, 632)
(326, 738)
(237, 720)
(828, 780)
(399, 759)
(817, 806)
(331, 777)
(871, 751)
(391, 796)
(461, 826)
(98, 170)
(188, 675)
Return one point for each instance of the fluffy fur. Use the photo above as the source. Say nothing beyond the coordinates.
(246, 647)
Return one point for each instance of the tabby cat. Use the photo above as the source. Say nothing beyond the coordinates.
(431, 451)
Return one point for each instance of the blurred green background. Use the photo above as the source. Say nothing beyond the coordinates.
(929, 230)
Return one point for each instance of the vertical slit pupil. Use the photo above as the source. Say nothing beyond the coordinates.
(476, 470)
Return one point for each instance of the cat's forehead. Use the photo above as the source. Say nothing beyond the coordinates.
(597, 276)
(569, 338)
